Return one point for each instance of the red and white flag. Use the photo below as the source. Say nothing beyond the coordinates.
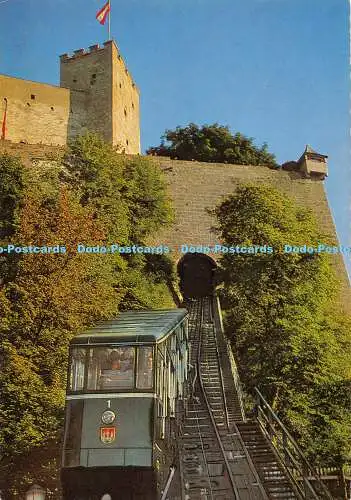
(102, 14)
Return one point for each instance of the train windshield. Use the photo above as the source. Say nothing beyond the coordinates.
(98, 369)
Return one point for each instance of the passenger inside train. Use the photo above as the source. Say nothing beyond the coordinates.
(112, 368)
(119, 372)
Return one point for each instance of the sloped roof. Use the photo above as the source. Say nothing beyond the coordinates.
(133, 327)
(310, 150)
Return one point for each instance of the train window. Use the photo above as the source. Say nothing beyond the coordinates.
(111, 368)
(97, 361)
(159, 391)
(165, 403)
(174, 348)
(77, 370)
(171, 389)
(118, 372)
(159, 374)
(145, 368)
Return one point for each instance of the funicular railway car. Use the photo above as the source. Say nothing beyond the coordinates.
(125, 378)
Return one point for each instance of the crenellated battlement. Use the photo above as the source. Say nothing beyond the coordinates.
(94, 50)
(83, 52)
(96, 93)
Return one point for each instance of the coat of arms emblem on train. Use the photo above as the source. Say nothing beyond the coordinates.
(107, 434)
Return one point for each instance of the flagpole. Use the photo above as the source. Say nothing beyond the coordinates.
(109, 22)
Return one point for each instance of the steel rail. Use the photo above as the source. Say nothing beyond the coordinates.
(201, 384)
(218, 322)
(233, 425)
(168, 483)
(195, 312)
(197, 418)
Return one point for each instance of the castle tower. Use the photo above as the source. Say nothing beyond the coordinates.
(103, 97)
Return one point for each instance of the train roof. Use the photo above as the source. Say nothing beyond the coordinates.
(133, 327)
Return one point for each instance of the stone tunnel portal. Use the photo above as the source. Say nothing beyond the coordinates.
(196, 272)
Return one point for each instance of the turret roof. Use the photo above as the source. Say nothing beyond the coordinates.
(310, 150)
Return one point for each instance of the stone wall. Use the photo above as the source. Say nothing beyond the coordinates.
(97, 93)
(195, 186)
(88, 74)
(104, 97)
(36, 112)
(29, 153)
(125, 105)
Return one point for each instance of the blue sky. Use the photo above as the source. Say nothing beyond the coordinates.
(275, 70)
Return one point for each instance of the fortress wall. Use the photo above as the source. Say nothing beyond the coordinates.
(195, 186)
(96, 93)
(78, 123)
(29, 153)
(36, 112)
(104, 97)
(125, 96)
(89, 73)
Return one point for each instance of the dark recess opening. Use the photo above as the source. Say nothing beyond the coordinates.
(196, 272)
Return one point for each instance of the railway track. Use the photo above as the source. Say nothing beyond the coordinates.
(215, 464)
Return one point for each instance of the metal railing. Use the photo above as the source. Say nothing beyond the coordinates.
(234, 369)
(334, 472)
(306, 479)
(168, 483)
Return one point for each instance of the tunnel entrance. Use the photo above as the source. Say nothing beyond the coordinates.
(196, 272)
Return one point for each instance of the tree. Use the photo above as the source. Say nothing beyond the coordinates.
(128, 196)
(11, 193)
(50, 298)
(212, 143)
(94, 197)
(288, 335)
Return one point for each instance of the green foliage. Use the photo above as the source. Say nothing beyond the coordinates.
(145, 288)
(94, 170)
(290, 339)
(11, 192)
(212, 143)
(30, 411)
(127, 194)
(94, 196)
(49, 298)
(322, 419)
(145, 194)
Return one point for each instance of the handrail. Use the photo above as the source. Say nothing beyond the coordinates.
(232, 362)
(337, 471)
(168, 483)
(217, 312)
(292, 457)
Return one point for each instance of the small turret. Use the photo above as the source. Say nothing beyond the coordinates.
(313, 164)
